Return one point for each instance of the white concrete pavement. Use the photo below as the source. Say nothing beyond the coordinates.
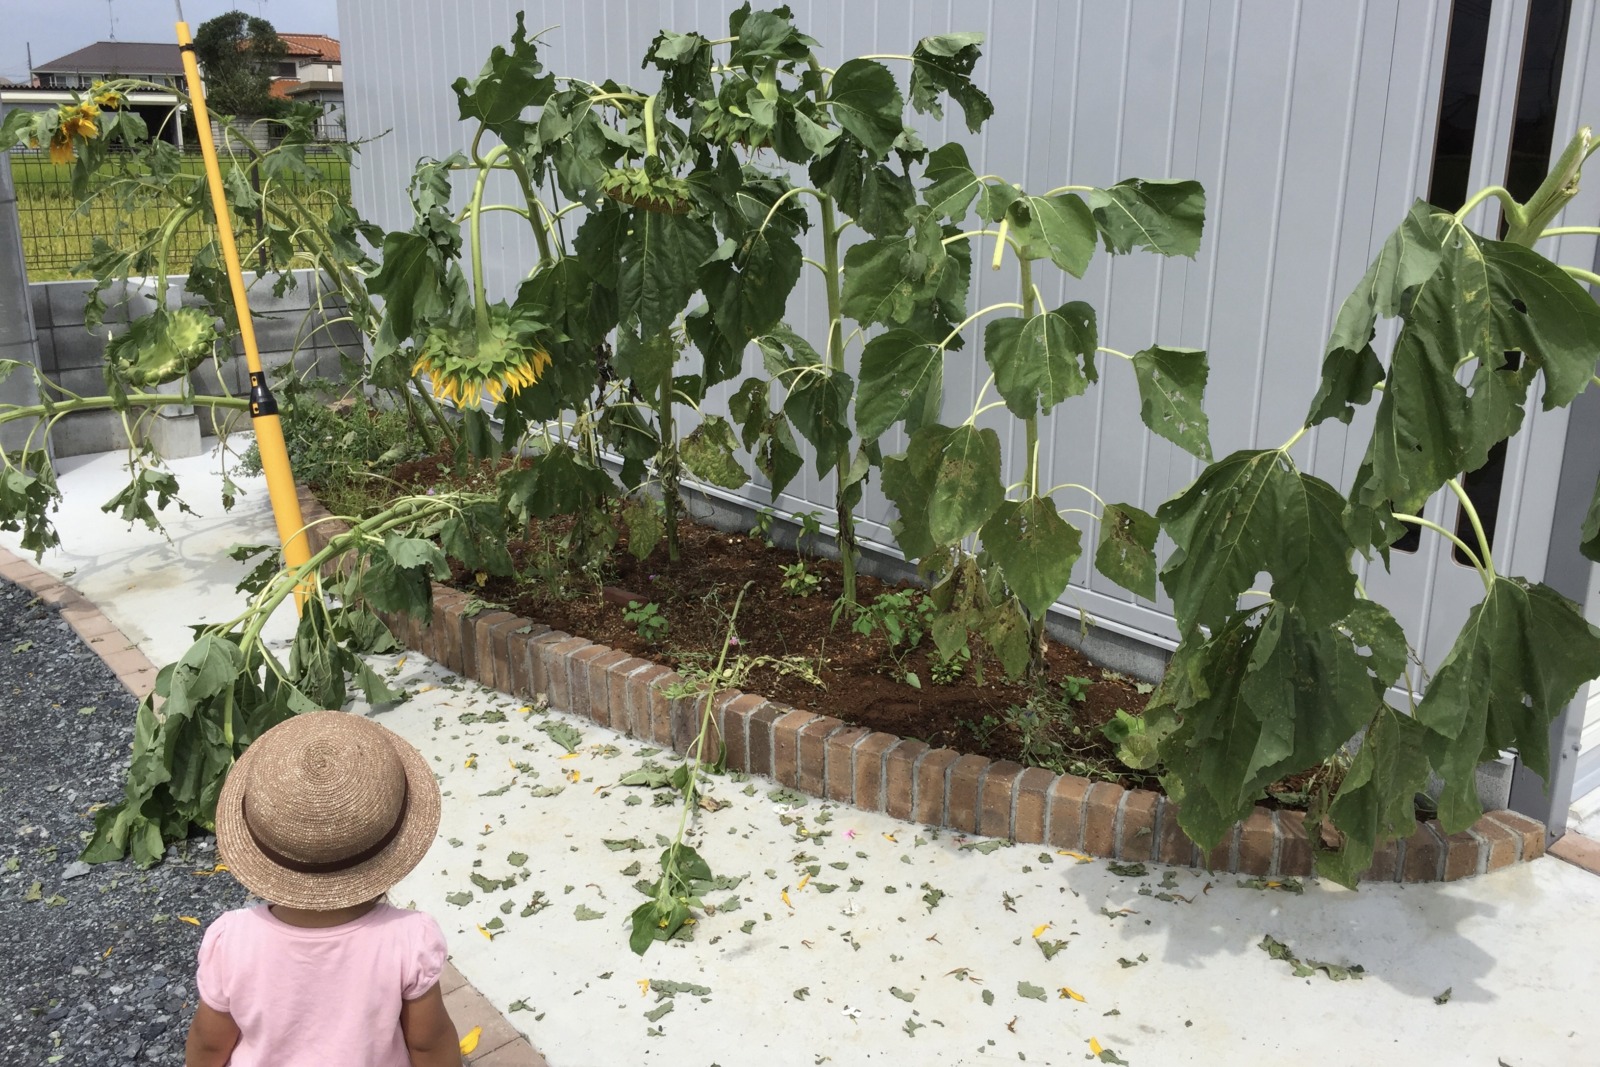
(852, 938)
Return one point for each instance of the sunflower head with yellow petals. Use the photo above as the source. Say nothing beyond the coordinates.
(468, 364)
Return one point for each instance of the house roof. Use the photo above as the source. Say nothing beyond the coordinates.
(301, 88)
(311, 46)
(118, 57)
(281, 88)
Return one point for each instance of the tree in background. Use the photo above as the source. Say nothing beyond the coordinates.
(239, 54)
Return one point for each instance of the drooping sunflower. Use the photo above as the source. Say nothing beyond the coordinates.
(74, 120)
(105, 97)
(470, 362)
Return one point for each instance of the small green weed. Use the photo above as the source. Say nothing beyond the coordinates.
(647, 621)
(948, 670)
(800, 580)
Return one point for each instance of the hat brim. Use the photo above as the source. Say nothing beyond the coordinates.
(340, 889)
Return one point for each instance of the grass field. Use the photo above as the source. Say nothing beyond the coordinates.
(58, 233)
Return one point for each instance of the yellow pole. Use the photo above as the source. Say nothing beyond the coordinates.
(263, 406)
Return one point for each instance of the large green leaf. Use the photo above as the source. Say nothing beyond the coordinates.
(866, 101)
(1164, 216)
(659, 264)
(1041, 361)
(1058, 228)
(952, 183)
(1377, 801)
(399, 573)
(410, 280)
(708, 453)
(874, 196)
(1350, 368)
(1252, 512)
(764, 35)
(1542, 311)
(1521, 656)
(1035, 549)
(1271, 693)
(887, 278)
(684, 60)
(946, 486)
(1127, 550)
(557, 483)
(748, 286)
(818, 405)
(476, 535)
(898, 370)
(943, 64)
(509, 83)
(1172, 389)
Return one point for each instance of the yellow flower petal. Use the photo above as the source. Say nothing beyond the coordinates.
(644, 987)
(572, 775)
(486, 932)
(401, 662)
(572, 755)
(1079, 856)
(1094, 1047)
(1041, 928)
(802, 884)
(890, 838)
(1069, 994)
(469, 1042)
(785, 896)
(190, 919)
(472, 761)
(107, 953)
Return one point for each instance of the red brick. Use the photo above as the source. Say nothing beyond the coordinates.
(686, 712)
(996, 797)
(1136, 839)
(867, 788)
(1257, 843)
(786, 745)
(600, 683)
(1502, 844)
(579, 688)
(483, 644)
(840, 751)
(1100, 819)
(928, 805)
(639, 701)
(443, 644)
(736, 729)
(1172, 844)
(1460, 856)
(759, 743)
(1065, 825)
(811, 768)
(540, 658)
(661, 702)
(1424, 851)
(1530, 831)
(694, 715)
(1384, 863)
(962, 798)
(466, 642)
(1294, 847)
(558, 686)
(519, 650)
(617, 675)
(900, 778)
(1578, 850)
(500, 636)
(1033, 805)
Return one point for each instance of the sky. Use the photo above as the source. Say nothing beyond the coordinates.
(56, 27)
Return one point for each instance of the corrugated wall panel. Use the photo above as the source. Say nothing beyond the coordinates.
(1311, 126)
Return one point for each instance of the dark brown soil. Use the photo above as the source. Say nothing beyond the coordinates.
(862, 680)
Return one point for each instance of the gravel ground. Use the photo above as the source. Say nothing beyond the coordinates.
(98, 967)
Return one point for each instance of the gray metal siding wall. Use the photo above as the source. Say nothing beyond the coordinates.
(1310, 124)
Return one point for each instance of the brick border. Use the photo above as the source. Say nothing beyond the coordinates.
(825, 757)
(501, 1044)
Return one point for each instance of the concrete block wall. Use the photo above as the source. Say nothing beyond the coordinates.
(293, 326)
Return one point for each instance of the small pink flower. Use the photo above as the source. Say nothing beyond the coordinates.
(849, 834)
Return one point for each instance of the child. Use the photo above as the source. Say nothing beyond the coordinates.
(321, 816)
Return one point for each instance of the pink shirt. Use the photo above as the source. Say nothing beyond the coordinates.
(307, 998)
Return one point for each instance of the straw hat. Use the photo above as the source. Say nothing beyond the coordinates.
(326, 810)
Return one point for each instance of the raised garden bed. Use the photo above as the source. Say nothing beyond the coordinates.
(880, 771)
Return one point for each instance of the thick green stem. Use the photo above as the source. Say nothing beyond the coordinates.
(669, 467)
(846, 538)
(1037, 667)
(536, 209)
(57, 408)
(480, 302)
(1486, 560)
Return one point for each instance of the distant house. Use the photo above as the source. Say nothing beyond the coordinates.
(55, 81)
(310, 72)
(313, 72)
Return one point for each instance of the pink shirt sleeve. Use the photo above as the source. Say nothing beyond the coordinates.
(426, 958)
(211, 979)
